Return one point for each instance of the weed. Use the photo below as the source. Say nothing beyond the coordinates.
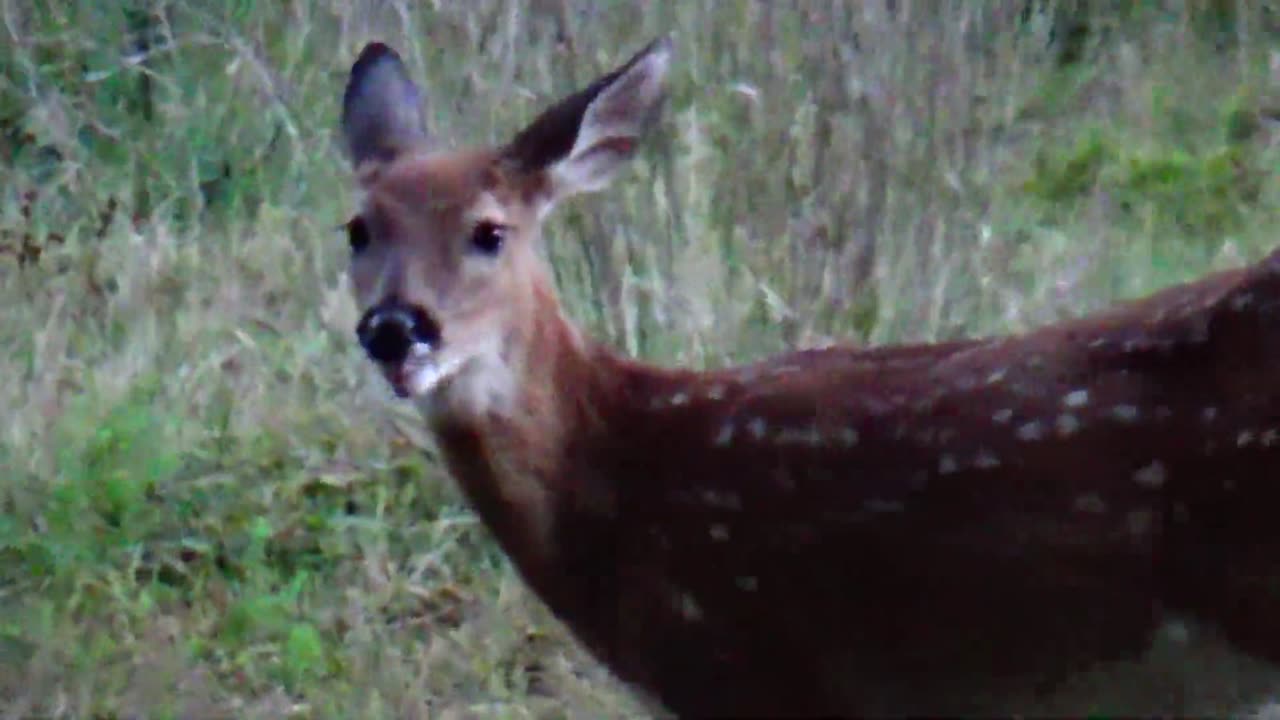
(210, 507)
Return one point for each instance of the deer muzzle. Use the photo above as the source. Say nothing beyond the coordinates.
(404, 341)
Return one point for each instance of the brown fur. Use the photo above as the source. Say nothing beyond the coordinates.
(912, 529)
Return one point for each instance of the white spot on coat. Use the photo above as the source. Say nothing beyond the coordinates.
(1076, 398)
(722, 500)
(1030, 432)
(847, 436)
(799, 436)
(1151, 475)
(813, 436)
(1176, 631)
(725, 436)
(688, 607)
(1140, 522)
(1091, 503)
(947, 465)
(1003, 416)
(986, 460)
(1125, 413)
(719, 532)
(1067, 425)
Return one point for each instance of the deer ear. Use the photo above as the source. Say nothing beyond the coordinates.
(381, 107)
(580, 142)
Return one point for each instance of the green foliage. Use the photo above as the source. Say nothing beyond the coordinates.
(1197, 189)
(1209, 194)
(100, 505)
(1060, 175)
(210, 508)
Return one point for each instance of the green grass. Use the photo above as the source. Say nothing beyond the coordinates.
(211, 508)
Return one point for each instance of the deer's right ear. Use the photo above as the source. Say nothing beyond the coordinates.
(381, 107)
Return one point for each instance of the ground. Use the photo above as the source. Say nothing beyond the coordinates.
(212, 507)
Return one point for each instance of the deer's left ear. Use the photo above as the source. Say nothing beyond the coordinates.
(578, 144)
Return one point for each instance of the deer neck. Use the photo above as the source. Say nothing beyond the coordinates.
(520, 457)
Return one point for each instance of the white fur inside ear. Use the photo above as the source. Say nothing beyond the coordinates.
(587, 171)
(612, 124)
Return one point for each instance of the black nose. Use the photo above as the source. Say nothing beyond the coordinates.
(387, 331)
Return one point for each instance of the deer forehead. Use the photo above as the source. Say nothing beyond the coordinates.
(460, 188)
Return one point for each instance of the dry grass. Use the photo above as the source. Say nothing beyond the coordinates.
(212, 509)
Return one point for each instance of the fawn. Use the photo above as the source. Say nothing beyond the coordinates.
(909, 529)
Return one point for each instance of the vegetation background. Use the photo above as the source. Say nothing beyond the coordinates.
(209, 507)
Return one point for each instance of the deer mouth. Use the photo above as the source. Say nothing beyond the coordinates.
(421, 372)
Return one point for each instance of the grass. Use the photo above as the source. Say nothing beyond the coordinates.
(210, 508)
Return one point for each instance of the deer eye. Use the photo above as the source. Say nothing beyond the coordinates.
(487, 237)
(357, 234)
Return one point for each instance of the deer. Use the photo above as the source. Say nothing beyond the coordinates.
(848, 530)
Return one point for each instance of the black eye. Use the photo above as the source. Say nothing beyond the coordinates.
(357, 234)
(487, 237)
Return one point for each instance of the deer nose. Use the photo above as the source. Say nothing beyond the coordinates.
(388, 331)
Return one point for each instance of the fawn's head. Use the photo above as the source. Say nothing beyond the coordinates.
(444, 258)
